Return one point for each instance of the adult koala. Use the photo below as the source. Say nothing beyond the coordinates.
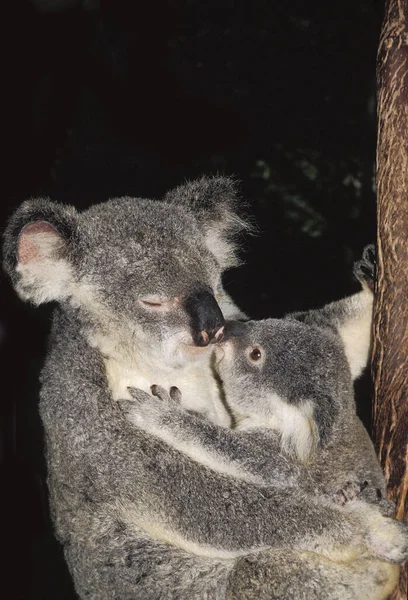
(135, 282)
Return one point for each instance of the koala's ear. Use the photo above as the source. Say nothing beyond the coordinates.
(215, 203)
(38, 250)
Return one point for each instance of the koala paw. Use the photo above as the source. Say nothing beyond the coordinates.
(365, 492)
(388, 539)
(349, 492)
(133, 409)
(364, 269)
(148, 412)
(372, 495)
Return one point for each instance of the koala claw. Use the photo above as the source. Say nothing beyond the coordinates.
(137, 394)
(175, 394)
(172, 397)
(349, 492)
(364, 269)
(365, 493)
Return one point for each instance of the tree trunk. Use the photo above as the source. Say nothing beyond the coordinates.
(390, 353)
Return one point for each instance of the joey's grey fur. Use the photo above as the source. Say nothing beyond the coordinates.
(135, 282)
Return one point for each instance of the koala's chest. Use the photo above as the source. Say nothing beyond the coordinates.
(200, 392)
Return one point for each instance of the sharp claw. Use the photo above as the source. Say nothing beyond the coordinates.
(175, 393)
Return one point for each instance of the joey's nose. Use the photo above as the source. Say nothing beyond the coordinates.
(205, 339)
(206, 318)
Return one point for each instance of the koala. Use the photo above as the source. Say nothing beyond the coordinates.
(139, 298)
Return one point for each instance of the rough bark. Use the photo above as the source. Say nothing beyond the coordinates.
(390, 353)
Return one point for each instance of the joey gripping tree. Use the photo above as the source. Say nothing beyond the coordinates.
(390, 356)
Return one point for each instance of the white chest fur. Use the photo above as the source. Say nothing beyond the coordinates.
(196, 382)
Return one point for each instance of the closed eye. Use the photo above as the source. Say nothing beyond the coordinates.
(155, 302)
(150, 303)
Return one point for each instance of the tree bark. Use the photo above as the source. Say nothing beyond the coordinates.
(390, 352)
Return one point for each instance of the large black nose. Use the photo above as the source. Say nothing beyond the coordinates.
(206, 318)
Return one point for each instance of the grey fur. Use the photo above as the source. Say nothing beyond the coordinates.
(137, 518)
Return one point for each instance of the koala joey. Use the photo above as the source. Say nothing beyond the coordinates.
(138, 293)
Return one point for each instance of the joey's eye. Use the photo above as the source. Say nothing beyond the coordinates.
(255, 354)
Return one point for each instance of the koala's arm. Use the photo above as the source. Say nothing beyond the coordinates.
(251, 455)
(348, 469)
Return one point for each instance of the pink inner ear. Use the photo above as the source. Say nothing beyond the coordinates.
(28, 248)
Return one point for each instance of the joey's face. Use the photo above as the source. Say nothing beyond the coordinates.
(280, 372)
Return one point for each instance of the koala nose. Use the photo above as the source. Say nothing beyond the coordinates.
(206, 318)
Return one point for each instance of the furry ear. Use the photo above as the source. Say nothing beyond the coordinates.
(37, 251)
(214, 201)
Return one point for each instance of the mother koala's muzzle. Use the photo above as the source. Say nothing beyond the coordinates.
(206, 318)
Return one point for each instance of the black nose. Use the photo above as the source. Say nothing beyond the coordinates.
(206, 318)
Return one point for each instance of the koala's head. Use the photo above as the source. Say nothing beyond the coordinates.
(288, 375)
(136, 272)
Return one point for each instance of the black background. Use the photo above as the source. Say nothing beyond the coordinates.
(123, 97)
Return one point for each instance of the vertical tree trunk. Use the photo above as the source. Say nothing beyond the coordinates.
(390, 354)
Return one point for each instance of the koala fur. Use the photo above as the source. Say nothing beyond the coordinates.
(135, 282)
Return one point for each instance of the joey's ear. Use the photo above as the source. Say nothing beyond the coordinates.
(38, 251)
(215, 203)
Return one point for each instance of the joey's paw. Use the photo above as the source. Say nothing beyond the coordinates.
(133, 409)
(364, 269)
(388, 539)
(147, 411)
(139, 397)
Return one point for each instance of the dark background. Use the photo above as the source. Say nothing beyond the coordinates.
(125, 97)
